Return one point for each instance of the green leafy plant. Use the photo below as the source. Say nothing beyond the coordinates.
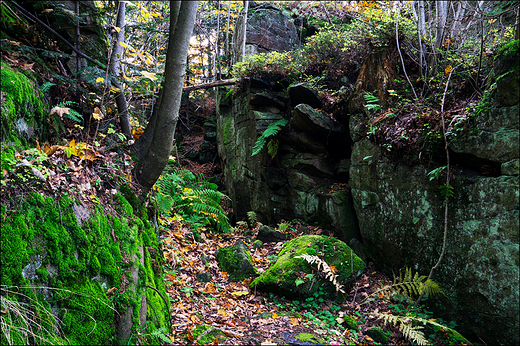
(407, 285)
(251, 215)
(372, 102)
(271, 131)
(181, 190)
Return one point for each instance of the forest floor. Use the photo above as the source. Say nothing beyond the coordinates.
(246, 316)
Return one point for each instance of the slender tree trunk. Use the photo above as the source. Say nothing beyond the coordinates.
(216, 62)
(155, 158)
(78, 40)
(141, 146)
(517, 25)
(115, 70)
(226, 49)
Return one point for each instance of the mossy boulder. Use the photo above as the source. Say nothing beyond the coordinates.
(21, 107)
(207, 334)
(287, 273)
(236, 261)
(89, 275)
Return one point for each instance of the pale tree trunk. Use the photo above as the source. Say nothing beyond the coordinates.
(240, 35)
(226, 48)
(115, 70)
(517, 24)
(461, 10)
(154, 158)
(441, 15)
(421, 30)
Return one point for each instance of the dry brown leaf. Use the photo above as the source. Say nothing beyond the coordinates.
(60, 111)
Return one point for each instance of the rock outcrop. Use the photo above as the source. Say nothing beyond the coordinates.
(305, 179)
(401, 220)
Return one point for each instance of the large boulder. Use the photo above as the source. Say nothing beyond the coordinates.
(496, 135)
(292, 275)
(311, 158)
(401, 220)
(236, 261)
(269, 29)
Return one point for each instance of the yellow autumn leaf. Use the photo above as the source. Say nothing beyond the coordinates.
(123, 44)
(448, 69)
(275, 315)
(221, 311)
(294, 321)
(97, 114)
(118, 29)
(115, 90)
(240, 293)
(149, 75)
(99, 79)
(94, 199)
(156, 14)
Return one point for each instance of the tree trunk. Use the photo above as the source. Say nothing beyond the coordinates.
(155, 157)
(141, 146)
(240, 35)
(115, 70)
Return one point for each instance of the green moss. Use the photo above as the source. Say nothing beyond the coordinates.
(21, 107)
(511, 48)
(282, 275)
(76, 254)
(308, 337)
(206, 334)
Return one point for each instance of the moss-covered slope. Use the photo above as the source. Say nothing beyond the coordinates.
(96, 272)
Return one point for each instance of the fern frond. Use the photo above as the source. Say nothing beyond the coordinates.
(325, 269)
(408, 285)
(404, 323)
(270, 131)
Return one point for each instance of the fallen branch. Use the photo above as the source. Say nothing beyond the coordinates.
(210, 84)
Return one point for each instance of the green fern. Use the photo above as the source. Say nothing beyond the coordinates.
(72, 114)
(271, 131)
(408, 285)
(181, 190)
(251, 215)
(408, 325)
(372, 102)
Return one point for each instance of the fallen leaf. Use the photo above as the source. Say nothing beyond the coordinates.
(97, 114)
(240, 293)
(60, 111)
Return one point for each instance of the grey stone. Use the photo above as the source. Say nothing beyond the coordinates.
(301, 93)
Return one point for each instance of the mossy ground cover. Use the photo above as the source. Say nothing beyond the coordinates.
(79, 271)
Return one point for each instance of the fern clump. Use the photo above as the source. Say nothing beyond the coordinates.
(271, 131)
(181, 191)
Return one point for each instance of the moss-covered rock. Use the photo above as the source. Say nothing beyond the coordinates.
(207, 334)
(401, 219)
(94, 284)
(284, 274)
(21, 105)
(236, 261)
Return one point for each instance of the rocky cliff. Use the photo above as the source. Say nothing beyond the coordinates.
(395, 209)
